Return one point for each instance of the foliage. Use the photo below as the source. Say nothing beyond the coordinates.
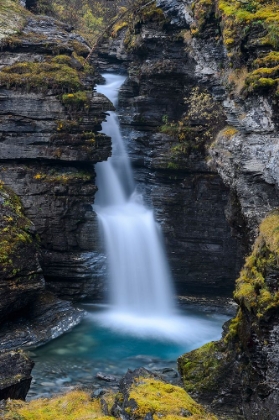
(149, 396)
(12, 18)
(57, 73)
(164, 400)
(63, 177)
(72, 406)
(199, 368)
(88, 17)
(197, 127)
(14, 231)
(254, 291)
(76, 100)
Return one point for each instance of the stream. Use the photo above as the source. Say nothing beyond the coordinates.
(141, 326)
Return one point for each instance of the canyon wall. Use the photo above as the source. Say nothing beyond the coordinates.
(170, 111)
(201, 98)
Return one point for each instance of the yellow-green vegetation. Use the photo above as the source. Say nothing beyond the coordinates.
(149, 13)
(77, 100)
(117, 27)
(228, 132)
(252, 288)
(237, 16)
(64, 177)
(202, 10)
(238, 19)
(200, 367)
(164, 401)
(14, 231)
(72, 406)
(12, 18)
(197, 127)
(57, 73)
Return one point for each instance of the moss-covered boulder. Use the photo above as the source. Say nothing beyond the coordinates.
(15, 378)
(141, 396)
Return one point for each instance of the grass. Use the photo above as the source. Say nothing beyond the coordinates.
(46, 75)
(150, 396)
(253, 291)
(72, 406)
(12, 18)
(14, 232)
(164, 401)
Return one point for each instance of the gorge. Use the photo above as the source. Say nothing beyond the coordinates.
(198, 113)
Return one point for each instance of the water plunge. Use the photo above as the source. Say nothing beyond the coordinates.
(141, 327)
(140, 287)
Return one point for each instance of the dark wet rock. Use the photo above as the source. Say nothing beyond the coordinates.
(104, 377)
(20, 274)
(15, 375)
(48, 147)
(98, 392)
(44, 319)
(165, 84)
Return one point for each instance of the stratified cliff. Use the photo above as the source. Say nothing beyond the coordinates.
(170, 111)
(49, 141)
(202, 99)
(49, 122)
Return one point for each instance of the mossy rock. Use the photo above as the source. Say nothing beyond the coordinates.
(200, 368)
(147, 396)
(254, 290)
(12, 19)
(143, 394)
(59, 74)
(20, 274)
(15, 232)
(72, 406)
(163, 400)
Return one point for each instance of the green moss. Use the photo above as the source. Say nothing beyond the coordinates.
(252, 289)
(200, 368)
(12, 19)
(203, 11)
(63, 177)
(163, 400)
(269, 60)
(72, 406)
(195, 130)
(14, 231)
(41, 76)
(144, 14)
(79, 100)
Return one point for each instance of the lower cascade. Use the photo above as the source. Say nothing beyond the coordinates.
(140, 284)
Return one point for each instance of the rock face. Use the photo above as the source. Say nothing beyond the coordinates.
(20, 275)
(249, 349)
(236, 376)
(205, 53)
(169, 114)
(49, 120)
(143, 395)
(15, 378)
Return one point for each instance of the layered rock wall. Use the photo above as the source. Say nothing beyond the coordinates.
(170, 112)
(49, 120)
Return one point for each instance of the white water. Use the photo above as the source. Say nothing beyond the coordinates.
(141, 292)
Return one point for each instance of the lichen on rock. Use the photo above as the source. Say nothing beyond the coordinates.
(21, 275)
(248, 348)
(141, 396)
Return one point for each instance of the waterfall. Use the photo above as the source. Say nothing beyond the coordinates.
(141, 293)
